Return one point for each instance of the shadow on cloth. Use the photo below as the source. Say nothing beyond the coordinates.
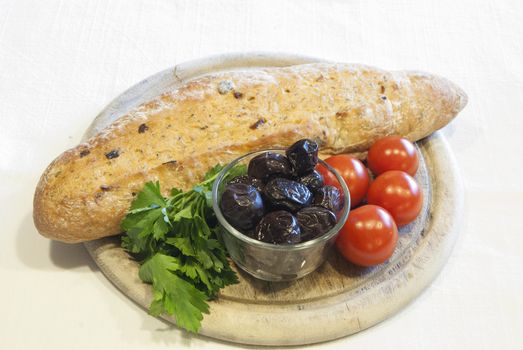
(38, 252)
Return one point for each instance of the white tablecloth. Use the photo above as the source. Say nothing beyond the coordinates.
(61, 62)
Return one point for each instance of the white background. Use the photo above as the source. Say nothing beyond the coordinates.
(61, 62)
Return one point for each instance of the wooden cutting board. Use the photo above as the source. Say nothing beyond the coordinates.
(338, 299)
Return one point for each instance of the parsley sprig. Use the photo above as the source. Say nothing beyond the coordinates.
(175, 240)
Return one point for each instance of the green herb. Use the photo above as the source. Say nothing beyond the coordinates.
(175, 240)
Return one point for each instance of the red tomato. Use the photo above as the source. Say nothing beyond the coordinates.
(398, 193)
(368, 237)
(393, 153)
(353, 172)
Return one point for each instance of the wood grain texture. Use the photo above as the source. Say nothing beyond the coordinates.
(337, 299)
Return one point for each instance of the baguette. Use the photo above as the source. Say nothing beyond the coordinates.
(175, 138)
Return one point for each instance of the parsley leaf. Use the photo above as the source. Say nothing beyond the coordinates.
(175, 240)
(211, 173)
(172, 294)
(149, 197)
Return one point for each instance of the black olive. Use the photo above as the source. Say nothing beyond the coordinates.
(315, 221)
(269, 164)
(329, 197)
(242, 206)
(303, 156)
(246, 179)
(278, 227)
(115, 153)
(249, 232)
(287, 194)
(313, 180)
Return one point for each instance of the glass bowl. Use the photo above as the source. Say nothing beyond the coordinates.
(272, 262)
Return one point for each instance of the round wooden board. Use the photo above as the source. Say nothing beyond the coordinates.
(336, 300)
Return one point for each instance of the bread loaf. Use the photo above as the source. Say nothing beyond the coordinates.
(178, 136)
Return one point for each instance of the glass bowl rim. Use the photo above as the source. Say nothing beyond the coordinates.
(299, 246)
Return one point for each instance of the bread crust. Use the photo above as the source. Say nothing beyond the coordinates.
(85, 192)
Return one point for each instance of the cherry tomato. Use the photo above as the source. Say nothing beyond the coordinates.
(393, 153)
(399, 194)
(353, 172)
(368, 237)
